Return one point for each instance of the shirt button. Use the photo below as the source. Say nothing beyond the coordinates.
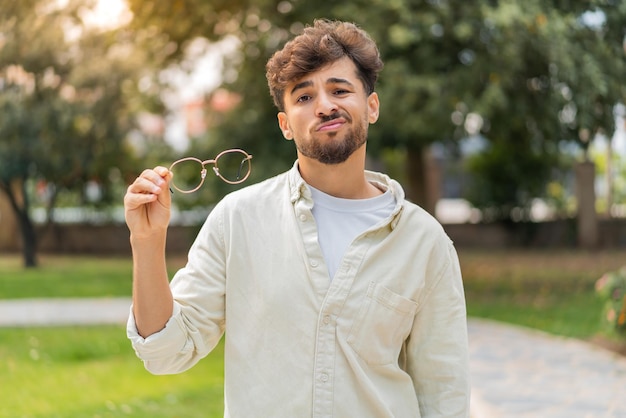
(314, 263)
(326, 319)
(303, 217)
(324, 377)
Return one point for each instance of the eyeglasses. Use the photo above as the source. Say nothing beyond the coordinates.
(232, 166)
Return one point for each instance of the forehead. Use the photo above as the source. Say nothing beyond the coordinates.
(341, 69)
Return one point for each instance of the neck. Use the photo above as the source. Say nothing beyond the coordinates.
(345, 180)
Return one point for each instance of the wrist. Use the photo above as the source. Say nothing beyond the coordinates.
(152, 241)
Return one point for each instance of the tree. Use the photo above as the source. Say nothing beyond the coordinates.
(64, 102)
(557, 83)
(416, 100)
(535, 72)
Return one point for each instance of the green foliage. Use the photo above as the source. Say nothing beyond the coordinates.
(502, 182)
(611, 289)
(536, 72)
(64, 99)
(610, 165)
(68, 96)
(556, 82)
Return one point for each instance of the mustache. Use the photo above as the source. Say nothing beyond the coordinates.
(332, 116)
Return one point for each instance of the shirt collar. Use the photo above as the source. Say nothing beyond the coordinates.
(396, 189)
(297, 185)
(298, 189)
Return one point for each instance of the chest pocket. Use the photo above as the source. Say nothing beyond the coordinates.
(383, 323)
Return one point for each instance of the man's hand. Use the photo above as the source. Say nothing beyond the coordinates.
(147, 210)
(147, 203)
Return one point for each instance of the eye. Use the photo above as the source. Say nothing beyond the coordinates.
(304, 98)
(341, 92)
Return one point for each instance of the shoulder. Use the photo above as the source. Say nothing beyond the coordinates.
(411, 216)
(415, 215)
(255, 202)
(422, 223)
(270, 188)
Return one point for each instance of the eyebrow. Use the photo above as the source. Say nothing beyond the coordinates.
(309, 83)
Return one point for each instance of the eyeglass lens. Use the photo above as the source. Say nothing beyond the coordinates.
(233, 167)
(188, 174)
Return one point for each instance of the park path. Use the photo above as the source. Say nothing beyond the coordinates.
(523, 373)
(516, 372)
(63, 311)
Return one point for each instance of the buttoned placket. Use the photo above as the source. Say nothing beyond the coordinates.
(332, 296)
(323, 372)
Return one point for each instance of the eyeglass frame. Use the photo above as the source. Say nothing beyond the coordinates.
(216, 169)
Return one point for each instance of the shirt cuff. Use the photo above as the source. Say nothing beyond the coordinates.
(161, 345)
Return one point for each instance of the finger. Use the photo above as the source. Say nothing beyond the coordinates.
(145, 184)
(135, 200)
(165, 173)
(158, 175)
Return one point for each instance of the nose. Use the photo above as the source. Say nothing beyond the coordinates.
(325, 105)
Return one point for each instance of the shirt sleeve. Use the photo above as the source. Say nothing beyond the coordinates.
(437, 349)
(197, 322)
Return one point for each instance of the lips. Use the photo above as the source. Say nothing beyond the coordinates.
(331, 125)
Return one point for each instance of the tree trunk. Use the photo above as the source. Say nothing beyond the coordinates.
(20, 206)
(609, 177)
(29, 240)
(423, 176)
(587, 220)
(9, 228)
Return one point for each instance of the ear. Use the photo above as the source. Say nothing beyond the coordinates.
(373, 107)
(283, 124)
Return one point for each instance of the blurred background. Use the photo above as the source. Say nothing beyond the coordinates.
(504, 120)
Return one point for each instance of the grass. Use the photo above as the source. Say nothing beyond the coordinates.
(78, 372)
(549, 290)
(91, 372)
(67, 276)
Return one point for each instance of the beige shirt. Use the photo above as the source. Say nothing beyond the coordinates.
(387, 337)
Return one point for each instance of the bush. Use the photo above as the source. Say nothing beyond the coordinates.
(611, 287)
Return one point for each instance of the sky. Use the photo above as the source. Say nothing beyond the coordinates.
(108, 14)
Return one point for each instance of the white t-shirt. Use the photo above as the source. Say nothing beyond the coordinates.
(340, 221)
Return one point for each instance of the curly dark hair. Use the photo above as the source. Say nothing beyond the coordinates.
(319, 45)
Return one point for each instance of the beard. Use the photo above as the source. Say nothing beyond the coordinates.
(334, 150)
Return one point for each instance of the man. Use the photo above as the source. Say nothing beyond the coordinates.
(337, 297)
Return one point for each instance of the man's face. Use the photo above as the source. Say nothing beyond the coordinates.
(327, 113)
